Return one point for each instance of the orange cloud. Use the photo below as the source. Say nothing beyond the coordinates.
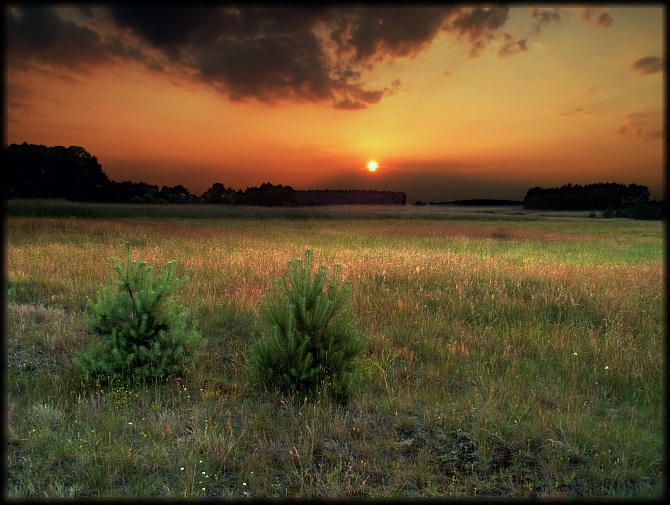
(642, 125)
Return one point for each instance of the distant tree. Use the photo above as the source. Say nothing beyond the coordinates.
(126, 191)
(37, 171)
(598, 196)
(635, 195)
(218, 194)
(645, 210)
(176, 194)
(148, 198)
(270, 195)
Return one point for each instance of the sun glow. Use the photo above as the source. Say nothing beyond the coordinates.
(372, 166)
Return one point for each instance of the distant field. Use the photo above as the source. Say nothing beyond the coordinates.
(64, 208)
(513, 353)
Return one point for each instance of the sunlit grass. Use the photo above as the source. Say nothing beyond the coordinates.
(508, 356)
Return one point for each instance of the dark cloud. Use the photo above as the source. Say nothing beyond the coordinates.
(349, 104)
(40, 34)
(648, 65)
(382, 32)
(542, 17)
(167, 27)
(598, 16)
(510, 46)
(304, 54)
(478, 24)
(267, 68)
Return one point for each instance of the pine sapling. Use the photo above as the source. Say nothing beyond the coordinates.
(309, 340)
(143, 332)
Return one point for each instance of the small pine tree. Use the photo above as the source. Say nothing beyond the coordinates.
(145, 334)
(310, 340)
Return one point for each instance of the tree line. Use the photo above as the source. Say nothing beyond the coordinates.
(614, 199)
(37, 171)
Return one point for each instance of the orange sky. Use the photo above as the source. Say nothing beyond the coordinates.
(452, 103)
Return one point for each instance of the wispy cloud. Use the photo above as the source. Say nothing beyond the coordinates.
(643, 126)
(579, 111)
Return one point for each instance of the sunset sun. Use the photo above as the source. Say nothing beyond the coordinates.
(372, 166)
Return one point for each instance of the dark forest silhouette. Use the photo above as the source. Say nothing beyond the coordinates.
(616, 200)
(37, 171)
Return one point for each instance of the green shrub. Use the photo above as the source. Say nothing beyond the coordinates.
(310, 341)
(145, 334)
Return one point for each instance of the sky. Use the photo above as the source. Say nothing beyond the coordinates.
(452, 102)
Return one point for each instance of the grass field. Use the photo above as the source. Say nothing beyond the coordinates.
(512, 354)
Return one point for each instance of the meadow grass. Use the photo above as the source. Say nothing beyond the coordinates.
(511, 355)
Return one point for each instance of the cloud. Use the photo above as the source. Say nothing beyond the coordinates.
(543, 17)
(376, 33)
(642, 125)
(648, 65)
(478, 24)
(319, 54)
(510, 46)
(579, 111)
(41, 34)
(349, 104)
(267, 68)
(598, 16)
